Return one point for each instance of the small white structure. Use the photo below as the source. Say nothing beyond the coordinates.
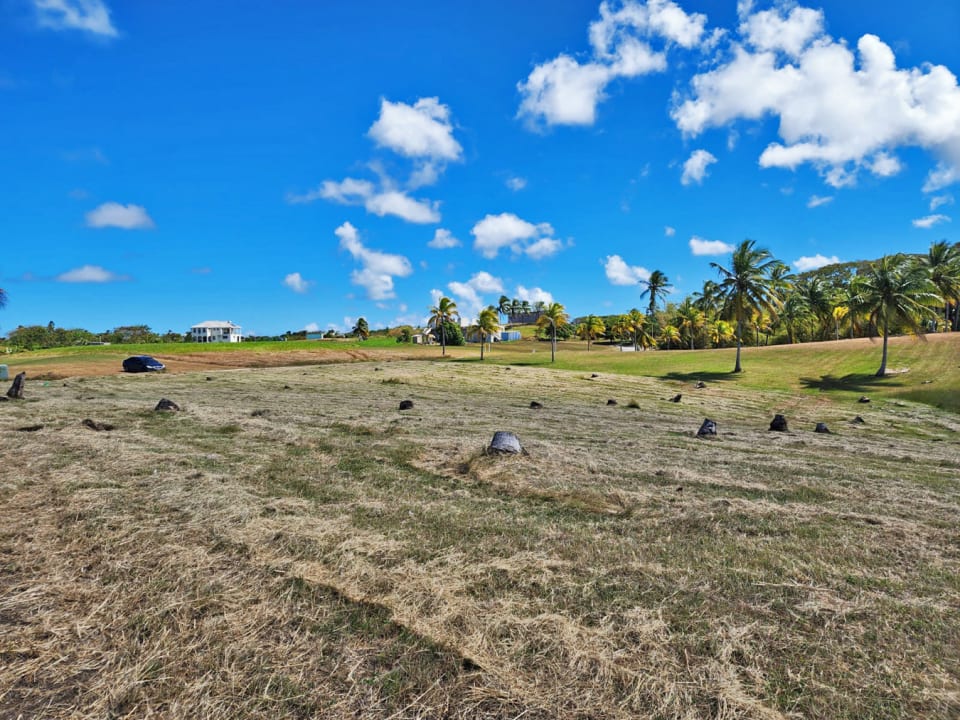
(216, 331)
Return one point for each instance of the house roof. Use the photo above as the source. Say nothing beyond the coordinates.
(216, 324)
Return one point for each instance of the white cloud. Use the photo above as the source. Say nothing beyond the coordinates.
(495, 232)
(127, 217)
(311, 327)
(929, 221)
(699, 246)
(443, 239)
(421, 130)
(939, 200)
(818, 200)
(695, 168)
(669, 231)
(90, 274)
(468, 294)
(296, 282)
(841, 111)
(380, 202)
(377, 268)
(516, 183)
(533, 295)
(91, 16)
(813, 262)
(564, 91)
(619, 273)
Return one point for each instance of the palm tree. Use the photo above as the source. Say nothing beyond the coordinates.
(515, 307)
(361, 329)
(525, 307)
(720, 331)
(656, 287)
(590, 329)
(635, 321)
(794, 314)
(554, 314)
(503, 305)
(488, 325)
(943, 264)
(690, 319)
(893, 290)
(671, 334)
(444, 311)
(820, 301)
(746, 287)
(707, 300)
(538, 307)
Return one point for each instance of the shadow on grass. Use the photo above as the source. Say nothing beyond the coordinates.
(855, 382)
(705, 375)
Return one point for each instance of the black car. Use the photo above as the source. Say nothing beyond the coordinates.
(142, 363)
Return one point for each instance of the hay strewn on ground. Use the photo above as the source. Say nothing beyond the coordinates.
(314, 552)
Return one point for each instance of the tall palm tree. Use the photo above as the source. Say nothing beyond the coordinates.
(444, 311)
(538, 307)
(503, 305)
(707, 300)
(746, 287)
(943, 263)
(670, 333)
(635, 321)
(525, 307)
(690, 319)
(794, 314)
(720, 331)
(488, 325)
(362, 329)
(515, 307)
(896, 290)
(820, 302)
(553, 315)
(591, 328)
(656, 287)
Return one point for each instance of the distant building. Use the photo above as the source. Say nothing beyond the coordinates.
(216, 331)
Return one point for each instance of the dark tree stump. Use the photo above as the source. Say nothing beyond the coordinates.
(822, 428)
(863, 399)
(676, 398)
(505, 443)
(707, 429)
(406, 404)
(611, 401)
(165, 404)
(699, 384)
(858, 420)
(779, 423)
(98, 426)
(16, 390)
(594, 375)
(534, 405)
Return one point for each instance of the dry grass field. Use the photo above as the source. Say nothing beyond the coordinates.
(291, 545)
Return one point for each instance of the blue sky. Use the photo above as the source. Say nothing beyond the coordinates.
(302, 164)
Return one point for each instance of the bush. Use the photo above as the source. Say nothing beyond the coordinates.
(452, 332)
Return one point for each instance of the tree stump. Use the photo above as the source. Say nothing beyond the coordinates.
(676, 398)
(166, 405)
(534, 405)
(822, 428)
(779, 423)
(406, 404)
(700, 385)
(611, 401)
(16, 390)
(707, 429)
(505, 443)
(863, 399)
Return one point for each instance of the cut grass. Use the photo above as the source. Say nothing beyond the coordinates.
(317, 553)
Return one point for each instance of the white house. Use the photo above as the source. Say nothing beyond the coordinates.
(216, 331)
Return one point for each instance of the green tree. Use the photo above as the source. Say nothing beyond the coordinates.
(590, 329)
(895, 290)
(942, 262)
(553, 315)
(820, 301)
(656, 288)
(720, 332)
(670, 334)
(794, 314)
(746, 287)
(488, 325)
(362, 329)
(690, 319)
(635, 323)
(444, 312)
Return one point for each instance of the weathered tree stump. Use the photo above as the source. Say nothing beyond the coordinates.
(505, 443)
(611, 401)
(858, 420)
(166, 405)
(98, 426)
(707, 429)
(676, 398)
(406, 404)
(863, 399)
(534, 405)
(16, 390)
(822, 428)
(699, 384)
(779, 423)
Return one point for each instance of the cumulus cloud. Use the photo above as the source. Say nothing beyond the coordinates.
(699, 246)
(506, 230)
(929, 221)
(296, 282)
(939, 200)
(92, 16)
(377, 268)
(533, 295)
(468, 294)
(126, 217)
(818, 200)
(90, 274)
(805, 263)
(695, 168)
(443, 239)
(669, 231)
(566, 91)
(516, 183)
(619, 273)
(312, 327)
(416, 131)
(377, 201)
(839, 110)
